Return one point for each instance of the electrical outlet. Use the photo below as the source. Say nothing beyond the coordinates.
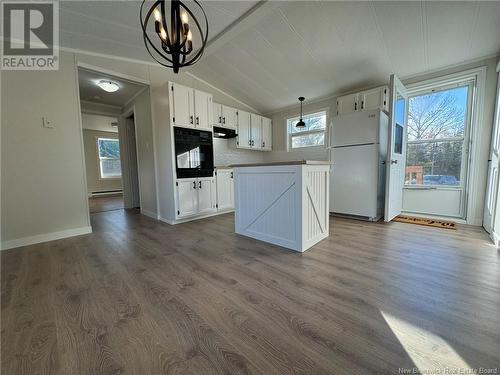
(47, 123)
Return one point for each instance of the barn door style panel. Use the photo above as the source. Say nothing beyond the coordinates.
(315, 209)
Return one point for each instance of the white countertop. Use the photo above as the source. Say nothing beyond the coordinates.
(293, 162)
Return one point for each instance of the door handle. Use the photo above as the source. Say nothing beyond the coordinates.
(394, 161)
(194, 184)
(191, 119)
(199, 184)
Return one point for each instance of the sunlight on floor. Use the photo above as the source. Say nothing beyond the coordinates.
(429, 352)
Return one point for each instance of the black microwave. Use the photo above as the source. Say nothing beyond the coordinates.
(194, 153)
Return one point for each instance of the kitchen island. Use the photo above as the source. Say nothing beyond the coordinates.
(283, 203)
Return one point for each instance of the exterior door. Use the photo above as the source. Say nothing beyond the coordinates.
(493, 167)
(396, 150)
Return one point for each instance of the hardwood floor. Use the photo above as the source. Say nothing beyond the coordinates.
(142, 297)
(105, 203)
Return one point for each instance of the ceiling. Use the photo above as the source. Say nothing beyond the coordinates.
(286, 49)
(90, 92)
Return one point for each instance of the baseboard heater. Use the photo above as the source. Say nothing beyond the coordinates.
(107, 192)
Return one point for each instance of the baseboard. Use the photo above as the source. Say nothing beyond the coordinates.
(192, 218)
(39, 238)
(97, 194)
(150, 214)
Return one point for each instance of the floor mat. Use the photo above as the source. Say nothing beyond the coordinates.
(428, 222)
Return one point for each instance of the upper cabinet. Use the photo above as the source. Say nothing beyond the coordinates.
(363, 101)
(254, 132)
(190, 107)
(225, 116)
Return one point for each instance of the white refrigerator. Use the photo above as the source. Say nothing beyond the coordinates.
(358, 150)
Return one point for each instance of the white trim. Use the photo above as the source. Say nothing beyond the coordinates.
(498, 67)
(148, 213)
(46, 237)
(98, 69)
(437, 217)
(194, 217)
(136, 95)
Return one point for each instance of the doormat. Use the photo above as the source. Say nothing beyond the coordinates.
(427, 222)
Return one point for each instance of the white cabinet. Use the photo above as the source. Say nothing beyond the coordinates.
(373, 99)
(229, 117)
(190, 108)
(186, 197)
(182, 104)
(206, 195)
(243, 130)
(363, 101)
(203, 110)
(225, 189)
(195, 196)
(267, 134)
(255, 131)
(217, 114)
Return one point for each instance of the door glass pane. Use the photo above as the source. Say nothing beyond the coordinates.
(438, 115)
(434, 163)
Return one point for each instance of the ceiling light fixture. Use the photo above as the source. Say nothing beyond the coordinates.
(301, 124)
(107, 85)
(172, 45)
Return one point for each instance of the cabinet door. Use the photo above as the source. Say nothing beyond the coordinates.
(243, 130)
(217, 114)
(203, 109)
(373, 99)
(256, 131)
(347, 104)
(225, 189)
(206, 195)
(186, 196)
(229, 117)
(183, 105)
(267, 134)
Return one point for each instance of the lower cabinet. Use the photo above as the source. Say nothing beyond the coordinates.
(195, 196)
(225, 189)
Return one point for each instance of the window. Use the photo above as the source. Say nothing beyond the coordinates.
(313, 134)
(109, 158)
(437, 123)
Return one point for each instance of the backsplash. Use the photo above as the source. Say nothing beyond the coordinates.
(225, 153)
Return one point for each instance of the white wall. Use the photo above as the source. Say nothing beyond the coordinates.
(43, 190)
(226, 153)
(99, 122)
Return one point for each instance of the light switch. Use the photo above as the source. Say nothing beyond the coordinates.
(47, 123)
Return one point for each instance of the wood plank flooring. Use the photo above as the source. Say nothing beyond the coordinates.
(141, 297)
(105, 203)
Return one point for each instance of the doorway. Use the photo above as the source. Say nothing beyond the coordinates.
(110, 144)
(437, 153)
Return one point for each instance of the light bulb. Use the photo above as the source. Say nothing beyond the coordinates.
(163, 34)
(190, 36)
(184, 18)
(157, 14)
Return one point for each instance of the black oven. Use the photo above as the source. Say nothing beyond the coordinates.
(194, 153)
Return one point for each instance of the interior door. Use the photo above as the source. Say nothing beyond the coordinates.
(243, 130)
(183, 103)
(203, 109)
(493, 167)
(396, 150)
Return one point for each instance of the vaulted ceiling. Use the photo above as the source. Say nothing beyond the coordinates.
(280, 50)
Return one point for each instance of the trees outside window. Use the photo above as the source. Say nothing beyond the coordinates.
(313, 134)
(109, 158)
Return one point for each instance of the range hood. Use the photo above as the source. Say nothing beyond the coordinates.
(224, 132)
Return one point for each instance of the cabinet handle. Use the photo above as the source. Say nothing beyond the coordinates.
(220, 119)
(263, 144)
(223, 120)
(199, 184)
(191, 119)
(249, 142)
(197, 120)
(231, 174)
(355, 106)
(194, 184)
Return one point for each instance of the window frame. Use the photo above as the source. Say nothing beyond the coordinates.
(99, 158)
(289, 135)
(437, 87)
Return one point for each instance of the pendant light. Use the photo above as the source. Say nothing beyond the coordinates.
(301, 124)
(169, 40)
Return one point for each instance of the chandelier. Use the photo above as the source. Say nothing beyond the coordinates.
(172, 46)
